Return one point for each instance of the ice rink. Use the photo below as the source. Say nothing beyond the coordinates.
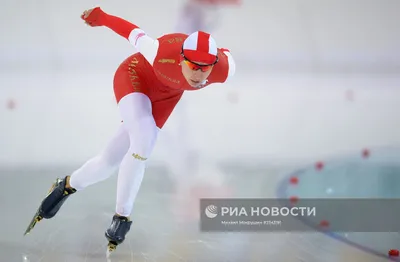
(165, 219)
(312, 112)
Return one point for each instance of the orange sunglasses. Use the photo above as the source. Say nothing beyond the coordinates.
(193, 66)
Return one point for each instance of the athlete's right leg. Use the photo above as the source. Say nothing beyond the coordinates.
(104, 164)
(95, 170)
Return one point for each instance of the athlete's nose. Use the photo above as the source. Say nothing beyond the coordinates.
(196, 74)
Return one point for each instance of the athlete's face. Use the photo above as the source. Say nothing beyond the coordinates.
(195, 73)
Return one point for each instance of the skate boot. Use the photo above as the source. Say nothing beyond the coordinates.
(117, 231)
(52, 203)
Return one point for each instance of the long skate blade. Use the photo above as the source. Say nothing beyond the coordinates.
(108, 255)
(36, 218)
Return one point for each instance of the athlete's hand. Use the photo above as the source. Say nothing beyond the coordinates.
(93, 17)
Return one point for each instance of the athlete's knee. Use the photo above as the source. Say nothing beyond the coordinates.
(141, 152)
(142, 138)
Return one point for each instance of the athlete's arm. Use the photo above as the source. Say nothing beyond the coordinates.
(144, 44)
(231, 63)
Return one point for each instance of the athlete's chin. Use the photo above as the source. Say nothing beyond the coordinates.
(194, 83)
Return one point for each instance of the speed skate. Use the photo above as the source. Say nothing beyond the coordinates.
(42, 211)
(117, 231)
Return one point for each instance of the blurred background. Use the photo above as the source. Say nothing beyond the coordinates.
(314, 80)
